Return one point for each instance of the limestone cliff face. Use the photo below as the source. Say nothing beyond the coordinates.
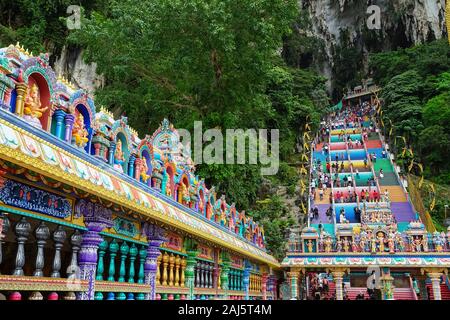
(344, 22)
(70, 64)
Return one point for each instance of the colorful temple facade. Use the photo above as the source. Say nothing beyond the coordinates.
(89, 210)
(364, 219)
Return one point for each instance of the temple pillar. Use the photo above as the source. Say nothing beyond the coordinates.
(87, 258)
(59, 116)
(387, 289)
(112, 150)
(68, 121)
(21, 89)
(293, 283)
(131, 165)
(155, 237)
(264, 279)
(137, 169)
(246, 279)
(435, 275)
(338, 276)
(97, 149)
(96, 221)
(191, 262)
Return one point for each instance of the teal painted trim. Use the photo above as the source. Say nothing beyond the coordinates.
(116, 236)
(48, 219)
(173, 251)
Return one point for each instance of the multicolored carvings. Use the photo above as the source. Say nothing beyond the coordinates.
(30, 89)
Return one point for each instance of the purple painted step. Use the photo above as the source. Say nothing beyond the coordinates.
(322, 216)
(403, 211)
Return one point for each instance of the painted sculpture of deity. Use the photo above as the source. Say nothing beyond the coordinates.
(380, 238)
(354, 246)
(346, 245)
(144, 169)
(79, 132)
(118, 156)
(328, 243)
(32, 104)
(391, 245)
(310, 246)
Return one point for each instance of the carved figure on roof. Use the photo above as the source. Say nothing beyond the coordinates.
(144, 169)
(79, 132)
(32, 104)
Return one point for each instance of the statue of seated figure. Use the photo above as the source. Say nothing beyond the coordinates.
(79, 132)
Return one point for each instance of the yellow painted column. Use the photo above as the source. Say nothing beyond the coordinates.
(158, 272)
(183, 268)
(338, 276)
(171, 266)
(165, 261)
(177, 271)
(21, 89)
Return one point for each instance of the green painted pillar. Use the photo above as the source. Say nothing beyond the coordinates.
(101, 263)
(133, 253)
(142, 257)
(224, 273)
(124, 248)
(191, 261)
(113, 248)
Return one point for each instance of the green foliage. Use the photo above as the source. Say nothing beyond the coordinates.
(275, 219)
(416, 97)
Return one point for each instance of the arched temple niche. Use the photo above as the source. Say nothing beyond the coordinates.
(82, 109)
(210, 204)
(168, 182)
(183, 187)
(232, 217)
(144, 169)
(36, 105)
(201, 196)
(121, 136)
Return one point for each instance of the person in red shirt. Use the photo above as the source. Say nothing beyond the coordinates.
(328, 167)
(363, 195)
(375, 195)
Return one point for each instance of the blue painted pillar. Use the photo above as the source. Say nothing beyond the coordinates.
(246, 279)
(131, 165)
(112, 150)
(59, 116)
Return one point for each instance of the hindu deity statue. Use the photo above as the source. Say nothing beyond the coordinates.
(201, 205)
(79, 132)
(168, 190)
(310, 246)
(321, 243)
(380, 238)
(328, 243)
(346, 245)
(32, 103)
(438, 241)
(417, 244)
(339, 245)
(373, 244)
(144, 169)
(425, 243)
(118, 156)
(354, 246)
(391, 245)
(400, 243)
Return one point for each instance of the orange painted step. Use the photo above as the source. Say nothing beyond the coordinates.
(373, 144)
(396, 193)
(326, 197)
